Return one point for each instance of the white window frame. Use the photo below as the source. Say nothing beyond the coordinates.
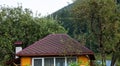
(54, 59)
(38, 58)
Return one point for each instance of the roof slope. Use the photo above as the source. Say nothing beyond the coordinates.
(55, 45)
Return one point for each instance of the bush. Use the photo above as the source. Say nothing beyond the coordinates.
(78, 64)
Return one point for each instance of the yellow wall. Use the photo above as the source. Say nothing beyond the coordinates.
(26, 61)
(83, 60)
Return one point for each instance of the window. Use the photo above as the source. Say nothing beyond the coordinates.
(70, 59)
(60, 61)
(49, 61)
(53, 61)
(37, 62)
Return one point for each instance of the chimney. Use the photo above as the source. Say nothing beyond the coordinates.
(18, 47)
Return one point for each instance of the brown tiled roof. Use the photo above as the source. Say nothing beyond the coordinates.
(55, 45)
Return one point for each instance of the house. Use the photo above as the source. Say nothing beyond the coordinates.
(55, 50)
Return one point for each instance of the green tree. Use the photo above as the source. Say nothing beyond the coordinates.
(18, 24)
(101, 18)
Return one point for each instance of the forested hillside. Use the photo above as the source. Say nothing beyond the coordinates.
(74, 27)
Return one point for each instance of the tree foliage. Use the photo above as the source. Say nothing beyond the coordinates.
(18, 24)
(102, 20)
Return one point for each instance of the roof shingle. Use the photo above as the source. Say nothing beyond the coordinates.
(55, 45)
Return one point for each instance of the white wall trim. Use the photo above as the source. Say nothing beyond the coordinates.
(54, 61)
(65, 61)
(43, 62)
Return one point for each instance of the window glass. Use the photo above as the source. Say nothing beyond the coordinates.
(37, 62)
(70, 60)
(49, 62)
(60, 61)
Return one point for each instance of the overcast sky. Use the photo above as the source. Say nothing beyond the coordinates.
(44, 7)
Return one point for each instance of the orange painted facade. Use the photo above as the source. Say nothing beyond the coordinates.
(84, 60)
(26, 61)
